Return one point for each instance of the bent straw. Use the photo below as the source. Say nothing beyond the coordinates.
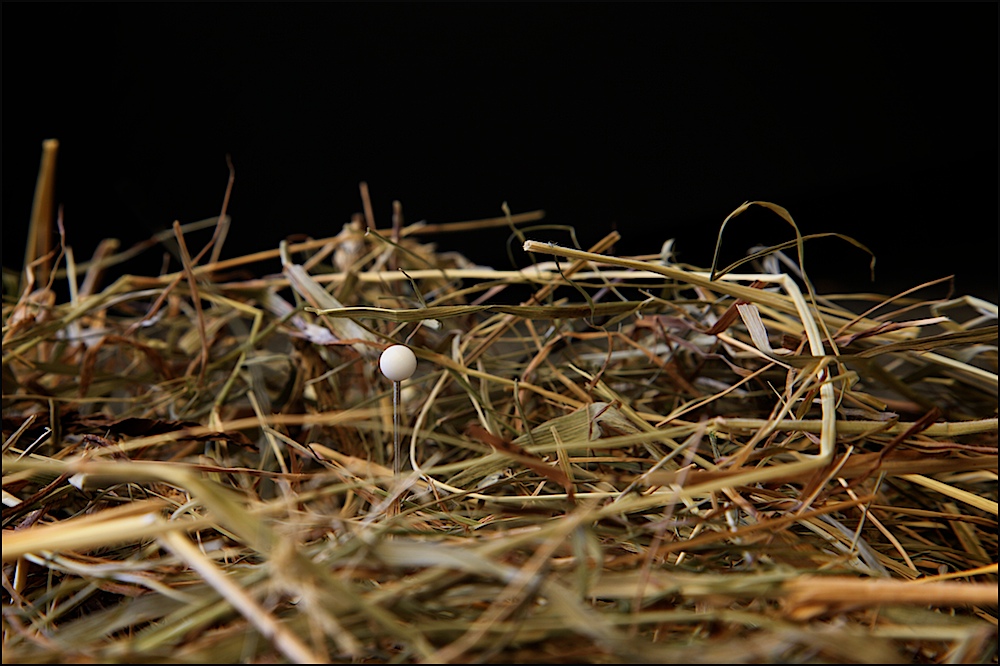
(817, 373)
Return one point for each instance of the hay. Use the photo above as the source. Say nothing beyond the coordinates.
(639, 461)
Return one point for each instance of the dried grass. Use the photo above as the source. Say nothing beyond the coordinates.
(641, 461)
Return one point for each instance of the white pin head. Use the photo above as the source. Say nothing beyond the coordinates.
(397, 362)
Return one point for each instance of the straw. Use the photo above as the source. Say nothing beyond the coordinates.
(606, 458)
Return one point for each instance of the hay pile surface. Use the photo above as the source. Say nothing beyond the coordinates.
(604, 459)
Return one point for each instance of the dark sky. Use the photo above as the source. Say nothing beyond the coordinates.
(877, 121)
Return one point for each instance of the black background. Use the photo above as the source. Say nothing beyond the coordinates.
(875, 121)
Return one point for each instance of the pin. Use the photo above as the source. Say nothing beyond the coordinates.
(397, 363)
